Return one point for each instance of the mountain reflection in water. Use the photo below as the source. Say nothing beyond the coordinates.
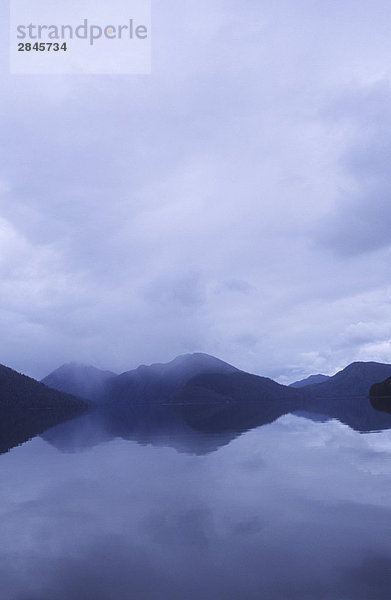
(292, 509)
(200, 428)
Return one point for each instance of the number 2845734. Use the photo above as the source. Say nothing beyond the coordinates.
(42, 47)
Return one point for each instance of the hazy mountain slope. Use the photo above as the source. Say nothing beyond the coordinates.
(309, 381)
(158, 382)
(210, 395)
(80, 380)
(27, 408)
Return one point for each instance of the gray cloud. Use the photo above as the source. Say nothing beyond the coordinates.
(195, 209)
(360, 222)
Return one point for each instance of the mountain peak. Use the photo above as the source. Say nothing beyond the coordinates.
(354, 380)
(76, 366)
(186, 364)
(159, 381)
(80, 380)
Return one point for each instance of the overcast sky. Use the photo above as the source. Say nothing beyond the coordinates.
(237, 201)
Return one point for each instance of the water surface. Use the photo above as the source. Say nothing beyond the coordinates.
(296, 509)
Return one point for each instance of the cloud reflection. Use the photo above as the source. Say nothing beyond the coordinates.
(286, 511)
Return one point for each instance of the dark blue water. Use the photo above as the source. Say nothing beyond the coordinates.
(293, 510)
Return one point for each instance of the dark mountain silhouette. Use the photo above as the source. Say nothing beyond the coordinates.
(207, 412)
(234, 401)
(197, 403)
(380, 395)
(27, 408)
(221, 402)
(345, 396)
(157, 383)
(80, 380)
(355, 380)
(194, 403)
(382, 389)
(309, 381)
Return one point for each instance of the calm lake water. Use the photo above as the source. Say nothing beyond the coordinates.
(292, 510)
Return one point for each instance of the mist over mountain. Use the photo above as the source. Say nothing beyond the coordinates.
(178, 403)
(80, 380)
(197, 395)
(206, 412)
(193, 377)
(309, 380)
(198, 414)
(163, 382)
(27, 408)
(192, 395)
(155, 383)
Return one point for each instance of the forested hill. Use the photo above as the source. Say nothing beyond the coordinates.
(28, 408)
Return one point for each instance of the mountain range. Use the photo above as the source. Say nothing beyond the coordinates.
(200, 378)
(354, 380)
(194, 393)
(309, 381)
(210, 395)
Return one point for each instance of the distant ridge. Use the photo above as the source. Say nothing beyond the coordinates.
(354, 380)
(159, 381)
(310, 380)
(209, 394)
